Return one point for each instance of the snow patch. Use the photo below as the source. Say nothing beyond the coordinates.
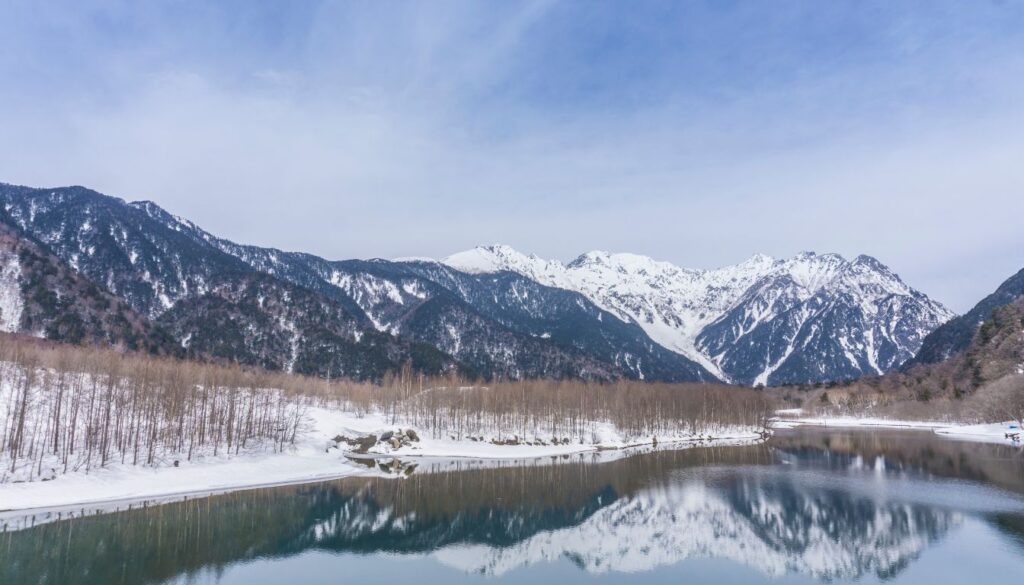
(11, 303)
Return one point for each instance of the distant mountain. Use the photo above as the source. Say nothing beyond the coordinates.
(765, 321)
(394, 294)
(955, 335)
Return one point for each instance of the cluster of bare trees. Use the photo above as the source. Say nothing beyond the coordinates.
(451, 407)
(65, 408)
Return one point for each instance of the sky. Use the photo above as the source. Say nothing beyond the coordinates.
(694, 132)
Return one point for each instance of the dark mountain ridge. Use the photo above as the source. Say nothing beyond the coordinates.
(956, 334)
(172, 271)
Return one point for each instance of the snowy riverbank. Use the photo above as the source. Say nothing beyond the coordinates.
(315, 456)
(1006, 433)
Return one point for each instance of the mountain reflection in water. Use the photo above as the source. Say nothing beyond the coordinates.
(828, 505)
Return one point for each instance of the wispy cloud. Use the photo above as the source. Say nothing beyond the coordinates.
(696, 132)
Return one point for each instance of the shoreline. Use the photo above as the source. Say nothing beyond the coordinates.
(314, 458)
(995, 433)
(437, 463)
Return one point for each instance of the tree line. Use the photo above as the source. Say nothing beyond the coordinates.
(72, 408)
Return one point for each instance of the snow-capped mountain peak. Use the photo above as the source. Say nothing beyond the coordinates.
(500, 257)
(751, 322)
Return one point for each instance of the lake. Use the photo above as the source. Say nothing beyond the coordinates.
(809, 506)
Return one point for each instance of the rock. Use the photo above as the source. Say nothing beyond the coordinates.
(395, 443)
(387, 436)
(366, 442)
(412, 435)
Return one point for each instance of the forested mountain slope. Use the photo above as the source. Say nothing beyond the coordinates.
(41, 296)
(956, 334)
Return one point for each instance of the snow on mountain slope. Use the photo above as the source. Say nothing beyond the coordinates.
(807, 318)
(671, 304)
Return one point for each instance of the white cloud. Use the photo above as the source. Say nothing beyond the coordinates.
(368, 135)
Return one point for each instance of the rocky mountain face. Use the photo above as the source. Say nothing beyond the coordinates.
(983, 380)
(956, 334)
(258, 320)
(511, 327)
(491, 311)
(539, 315)
(765, 321)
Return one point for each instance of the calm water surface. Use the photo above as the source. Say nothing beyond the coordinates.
(810, 506)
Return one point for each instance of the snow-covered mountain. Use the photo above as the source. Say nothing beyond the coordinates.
(809, 318)
(350, 317)
(98, 269)
(494, 312)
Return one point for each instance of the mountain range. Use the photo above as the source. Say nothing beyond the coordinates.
(812, 317)
(490, 312)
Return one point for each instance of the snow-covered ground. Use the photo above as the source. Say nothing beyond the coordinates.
(314, 457)
(1008, 433)
(988, 433)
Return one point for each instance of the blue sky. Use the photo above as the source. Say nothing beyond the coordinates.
(694, 132)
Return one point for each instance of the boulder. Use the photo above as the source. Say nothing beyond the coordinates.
(412, 435)
(395, 443)
(366, 442)
(387, 436)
